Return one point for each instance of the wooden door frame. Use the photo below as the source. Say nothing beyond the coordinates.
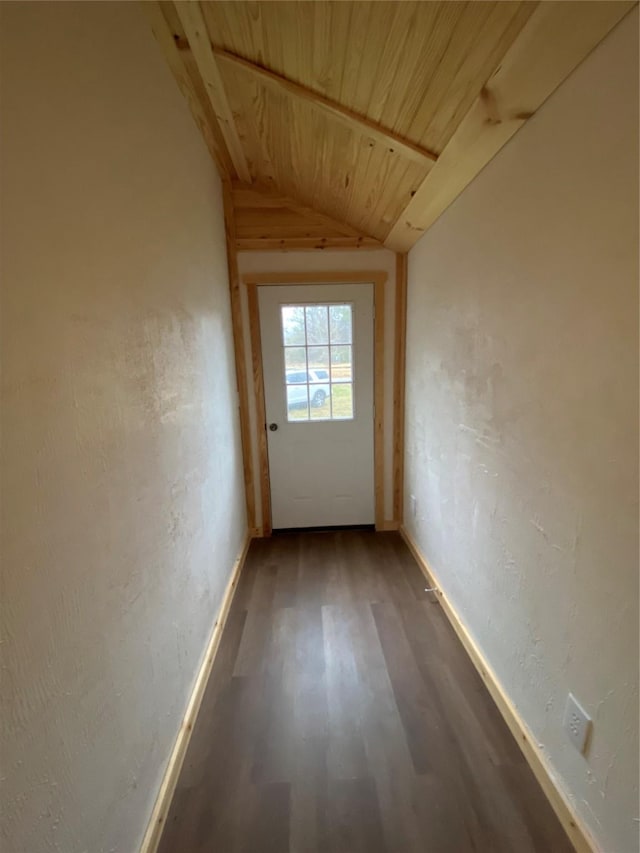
(378, 278)
(399, 371)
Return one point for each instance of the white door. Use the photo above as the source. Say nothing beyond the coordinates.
(317, 356)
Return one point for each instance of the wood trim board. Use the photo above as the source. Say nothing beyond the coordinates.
(376, 277)
(202, 115)
(261, 416)
(160, 810)
(378, 400)
(305, 244)
(195, 28)
(327, 277)
(399, 369)
(239, 353)
(575, 828)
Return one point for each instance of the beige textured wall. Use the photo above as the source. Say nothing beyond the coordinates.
(522, 422)
(123, 508)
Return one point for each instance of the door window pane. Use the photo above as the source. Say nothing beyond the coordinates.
(342, 401)
(317, 324)
(340, 324)
(318, 362)
(341, 364)
(295, 359)
(297, 402)
(293, 325)
(320, 402)
(317, 348)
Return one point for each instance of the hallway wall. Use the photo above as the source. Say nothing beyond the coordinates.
(123, 506)
(522, 423)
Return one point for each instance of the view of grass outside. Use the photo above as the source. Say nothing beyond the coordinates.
(341, 400)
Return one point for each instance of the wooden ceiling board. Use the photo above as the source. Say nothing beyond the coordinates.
(256, 196)
(342, 173)
(348, 185)
(315, 174)
(399, 202)
(555, 40)
(258, 117)
(405, 48)
(334, 109)
(375, 114)
(365, 160)
(294, 141)
(475, 49)
(339, 184)
(253, 126)
(385, 207)
(268, 221)
(355, 49)
(375, 58)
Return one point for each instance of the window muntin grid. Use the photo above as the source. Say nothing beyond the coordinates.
(317, 343)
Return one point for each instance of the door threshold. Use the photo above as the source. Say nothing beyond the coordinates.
(321, 528)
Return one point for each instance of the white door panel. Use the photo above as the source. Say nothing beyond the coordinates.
(317, 354)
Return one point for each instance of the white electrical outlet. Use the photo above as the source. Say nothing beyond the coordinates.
(576, 723)
(413, 504)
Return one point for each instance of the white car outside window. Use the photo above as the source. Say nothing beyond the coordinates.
(319, 388)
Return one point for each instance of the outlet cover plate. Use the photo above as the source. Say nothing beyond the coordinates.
(413, 504)
(576, 723)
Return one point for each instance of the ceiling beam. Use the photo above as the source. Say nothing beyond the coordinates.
(201, 113)
(195, 29)
(555, 39)
(354, 121)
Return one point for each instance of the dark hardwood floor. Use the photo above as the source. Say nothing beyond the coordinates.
(343, 714)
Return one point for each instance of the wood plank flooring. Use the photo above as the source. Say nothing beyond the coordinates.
(343, 715)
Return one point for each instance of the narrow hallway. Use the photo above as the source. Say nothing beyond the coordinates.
(343, 714)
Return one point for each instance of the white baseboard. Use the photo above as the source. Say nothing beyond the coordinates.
(538, 762)
(172, 772)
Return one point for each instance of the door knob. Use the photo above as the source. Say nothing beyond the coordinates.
(273, 427)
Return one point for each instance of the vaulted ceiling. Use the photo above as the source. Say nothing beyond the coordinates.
(357, 123)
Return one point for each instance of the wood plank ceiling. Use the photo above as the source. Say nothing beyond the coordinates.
(343, 124)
